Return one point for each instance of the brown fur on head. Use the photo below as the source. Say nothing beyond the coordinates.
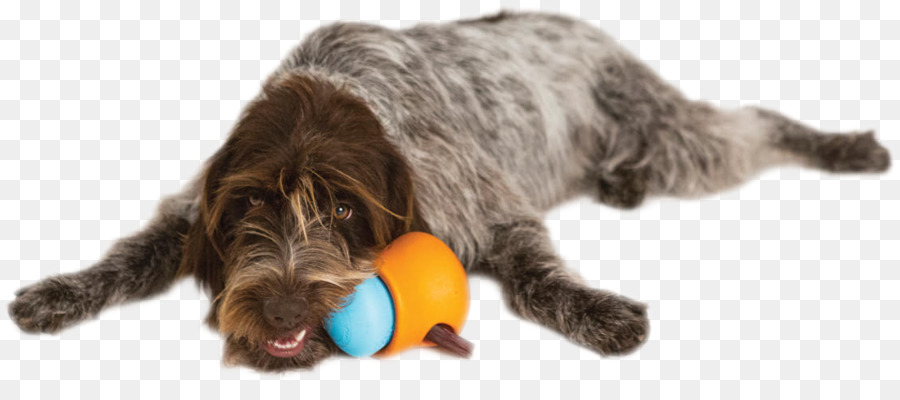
(266, 226)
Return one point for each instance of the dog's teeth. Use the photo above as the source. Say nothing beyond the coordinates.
(287, 344)
(279, 344)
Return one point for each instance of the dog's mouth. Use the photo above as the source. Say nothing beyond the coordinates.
(289, 345)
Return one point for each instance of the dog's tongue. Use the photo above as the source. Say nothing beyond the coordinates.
(287, 346)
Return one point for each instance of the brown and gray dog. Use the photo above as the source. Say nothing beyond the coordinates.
(468, 130)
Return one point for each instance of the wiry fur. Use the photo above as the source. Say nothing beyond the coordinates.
(469, 130)
(301, 148)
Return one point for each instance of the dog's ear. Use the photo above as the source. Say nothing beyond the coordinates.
(400, 197)
(202, 256)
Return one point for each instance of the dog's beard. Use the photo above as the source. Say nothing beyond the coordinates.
(313, 264)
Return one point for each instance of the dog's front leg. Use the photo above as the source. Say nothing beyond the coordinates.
(538, 286)
(135, 267)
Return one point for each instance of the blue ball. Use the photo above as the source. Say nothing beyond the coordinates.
(365, 323)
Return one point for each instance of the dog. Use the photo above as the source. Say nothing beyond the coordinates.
(468, 130)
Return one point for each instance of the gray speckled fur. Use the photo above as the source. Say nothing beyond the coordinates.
(500, 120)
(136, 267)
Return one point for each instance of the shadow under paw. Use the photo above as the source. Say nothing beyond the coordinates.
(48, 306)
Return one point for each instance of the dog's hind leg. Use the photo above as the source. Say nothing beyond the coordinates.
(538, 286)
(135, 267)
(660, 143)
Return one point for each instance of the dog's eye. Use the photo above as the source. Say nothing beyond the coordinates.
(256, 200)
(342, 211)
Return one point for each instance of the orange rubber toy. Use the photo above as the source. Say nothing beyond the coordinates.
(426, 296)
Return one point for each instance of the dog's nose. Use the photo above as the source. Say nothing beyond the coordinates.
(285, 312)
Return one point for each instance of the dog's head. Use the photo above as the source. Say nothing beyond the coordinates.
(294, 206)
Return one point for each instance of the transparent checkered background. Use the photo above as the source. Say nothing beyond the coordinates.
(787, 287)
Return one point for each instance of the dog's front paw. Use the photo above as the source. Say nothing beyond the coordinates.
(611, 324)
(49, 306)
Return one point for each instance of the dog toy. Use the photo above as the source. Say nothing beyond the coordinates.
(419, 298)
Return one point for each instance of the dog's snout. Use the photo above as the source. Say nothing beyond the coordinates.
(285, 312)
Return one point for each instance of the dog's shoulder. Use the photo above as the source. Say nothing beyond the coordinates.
(342, 45)
(507, 16)
(340, 34)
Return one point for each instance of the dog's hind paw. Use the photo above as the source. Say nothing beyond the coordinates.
(856, 152)
(49, 306)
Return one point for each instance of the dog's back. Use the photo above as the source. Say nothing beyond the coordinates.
(498, 110)
(509, 92)
(516, 112)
